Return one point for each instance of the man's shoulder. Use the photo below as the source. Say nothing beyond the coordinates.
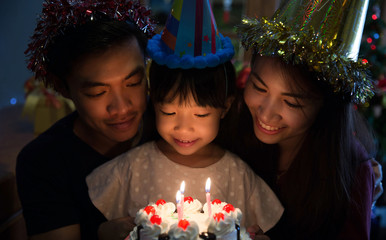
(138, 154)
(49, 142)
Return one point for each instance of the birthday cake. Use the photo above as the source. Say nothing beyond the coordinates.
(161, 221)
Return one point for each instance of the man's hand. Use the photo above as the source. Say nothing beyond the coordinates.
(116, 229)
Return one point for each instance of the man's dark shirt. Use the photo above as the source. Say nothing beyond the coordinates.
(51, 173)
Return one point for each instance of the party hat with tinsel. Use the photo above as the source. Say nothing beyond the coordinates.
(58, 16)
(190, 38)
(324, 34)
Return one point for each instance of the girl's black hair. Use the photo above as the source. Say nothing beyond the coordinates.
(208, 86)
(93, 37)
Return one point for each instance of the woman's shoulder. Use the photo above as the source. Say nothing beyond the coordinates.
(361, 152)
(366, 163)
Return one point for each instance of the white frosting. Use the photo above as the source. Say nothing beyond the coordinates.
(244, 234)
(166, 221)
(223, 227)
(192, 207)
(166, 209)
(236, 214)
(177, 233)
(141, 218)
(214, 207)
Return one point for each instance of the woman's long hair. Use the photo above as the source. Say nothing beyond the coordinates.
(316, 189)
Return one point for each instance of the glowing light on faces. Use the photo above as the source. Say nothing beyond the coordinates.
(281, 115)
(188, 129)
(113, 116)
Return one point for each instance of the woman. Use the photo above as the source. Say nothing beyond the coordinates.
(311, 149)
(309, 142)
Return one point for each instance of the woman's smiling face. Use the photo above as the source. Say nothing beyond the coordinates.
(282, 113)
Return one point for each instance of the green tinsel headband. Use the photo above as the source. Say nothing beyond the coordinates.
(273, 38)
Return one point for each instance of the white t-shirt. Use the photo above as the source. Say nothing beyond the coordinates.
(144, 174)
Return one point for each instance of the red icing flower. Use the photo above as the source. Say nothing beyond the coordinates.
(216, 201)
(155, 219)
(229, 207)
(218, 216)
(188, 199)
(183, 223)
(149, 209)
(160, 202)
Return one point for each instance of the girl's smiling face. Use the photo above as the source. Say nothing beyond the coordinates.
(186, 127)
(282, 112)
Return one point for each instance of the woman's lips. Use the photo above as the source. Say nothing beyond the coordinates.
(266, 128)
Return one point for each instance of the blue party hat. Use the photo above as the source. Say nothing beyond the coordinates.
(190, 38)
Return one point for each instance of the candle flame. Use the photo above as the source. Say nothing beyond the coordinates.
(178, 196)
(182, 187)
(207, 185)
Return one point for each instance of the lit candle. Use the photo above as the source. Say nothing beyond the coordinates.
(178, 200)
(182, 190)
(207, 189)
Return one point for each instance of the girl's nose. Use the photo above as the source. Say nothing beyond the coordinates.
(183, 123)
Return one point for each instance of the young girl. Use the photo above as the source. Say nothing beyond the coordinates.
(189, 105)
(311, 145)
(190, 98)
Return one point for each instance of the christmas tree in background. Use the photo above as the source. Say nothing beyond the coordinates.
(374, 52)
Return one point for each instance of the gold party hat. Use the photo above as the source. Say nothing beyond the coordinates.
(324, 34)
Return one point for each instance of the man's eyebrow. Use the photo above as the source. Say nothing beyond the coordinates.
(89, 84)
(294, 95)
(138, 69)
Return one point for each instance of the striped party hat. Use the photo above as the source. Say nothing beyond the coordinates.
(190, 38)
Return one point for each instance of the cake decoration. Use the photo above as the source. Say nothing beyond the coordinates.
(161, 222)
(184, 230)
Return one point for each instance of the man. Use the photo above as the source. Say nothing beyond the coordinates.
(92, 52)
